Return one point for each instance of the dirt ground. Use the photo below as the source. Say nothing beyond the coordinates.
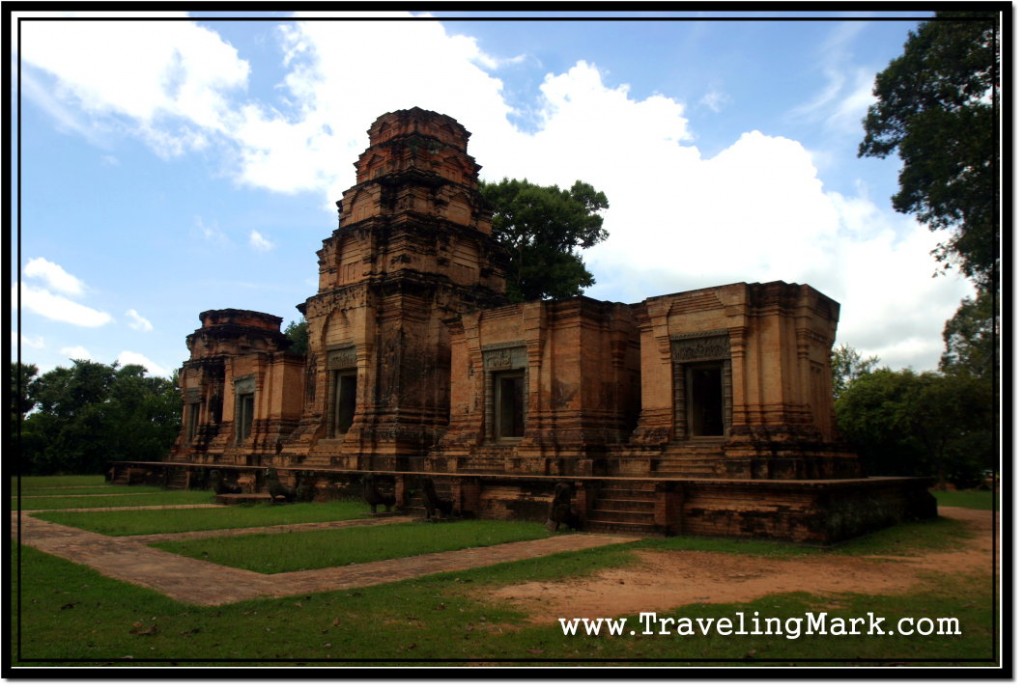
(661, 581)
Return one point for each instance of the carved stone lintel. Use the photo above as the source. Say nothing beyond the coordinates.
(342, 358)
(704, 347)
(505, 358)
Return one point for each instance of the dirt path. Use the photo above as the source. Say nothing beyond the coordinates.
(662, 581)
(202, 583)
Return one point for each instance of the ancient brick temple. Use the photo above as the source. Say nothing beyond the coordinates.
(707, 411)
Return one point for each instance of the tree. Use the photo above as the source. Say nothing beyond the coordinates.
(905, 423)
(299, 333)
(937, 107)
(970, 337)
(848, 366)
(543, 229)
(23, 377)
(90, 414)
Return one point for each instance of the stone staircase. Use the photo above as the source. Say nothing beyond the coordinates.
(178, 478)
(623, 508)
(691, 460)
(414, 504)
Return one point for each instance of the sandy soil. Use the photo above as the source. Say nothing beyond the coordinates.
(661, 581)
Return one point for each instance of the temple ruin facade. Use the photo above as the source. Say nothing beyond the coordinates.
(705, 412)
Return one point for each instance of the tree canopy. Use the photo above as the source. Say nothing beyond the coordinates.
(848, 365)
(298, 331)
(89, 414)
(937, 107)
(970, 337)
(905, 423)
(543, 229)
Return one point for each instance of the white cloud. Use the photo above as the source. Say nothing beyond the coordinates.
(714, 100)
(210, 232)
(32, 342)
(756, 211)
(138, 322)
(127, 357)
(76, 353)
(61, 309)
(259, 243)
(849, 112)
(140, 71)
(54, 276)
(308, 142)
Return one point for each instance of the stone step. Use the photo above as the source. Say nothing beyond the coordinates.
(687, 470)
(179, 479)
(615, 516)
(625, 504)
(631, 493)
(599, 526)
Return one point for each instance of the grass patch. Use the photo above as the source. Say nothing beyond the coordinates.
(35, 492)
(907, 538)
(61, 481)
(968, 499)
(74, 616)
(163, 497)
(900, 539)
(116, 523)
(762, 548)
(319, 549)
(68, 614)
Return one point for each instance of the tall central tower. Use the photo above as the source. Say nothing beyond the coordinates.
(413, 248)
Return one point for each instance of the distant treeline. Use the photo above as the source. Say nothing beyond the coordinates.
(77, 419)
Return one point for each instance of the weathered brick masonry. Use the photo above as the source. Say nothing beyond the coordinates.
(706, 412)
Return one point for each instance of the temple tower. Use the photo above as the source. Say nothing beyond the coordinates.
(241, 389)
(413, 248)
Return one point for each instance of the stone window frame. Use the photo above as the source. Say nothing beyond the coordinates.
(701, 350)
(503, 361)
(245, 407)
(341, 365)
(194, 402)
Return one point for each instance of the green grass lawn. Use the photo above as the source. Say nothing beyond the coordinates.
(72, 490)
(71, 615)
(67, 614)
(155, 521)
(59, 492)
(968, 499)
(161, 498)
(317, 549)
(60, 481)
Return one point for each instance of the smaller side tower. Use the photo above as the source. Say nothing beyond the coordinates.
(241, 389)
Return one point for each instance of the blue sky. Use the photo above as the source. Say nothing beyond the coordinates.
(178, 165)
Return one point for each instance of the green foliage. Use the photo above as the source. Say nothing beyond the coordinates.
(904, 423)
(543, 228)
(937, 107)
(276, 553)
(23, 377)
(848, 365)
(299, 333)
(971, 339)
(90, 414)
